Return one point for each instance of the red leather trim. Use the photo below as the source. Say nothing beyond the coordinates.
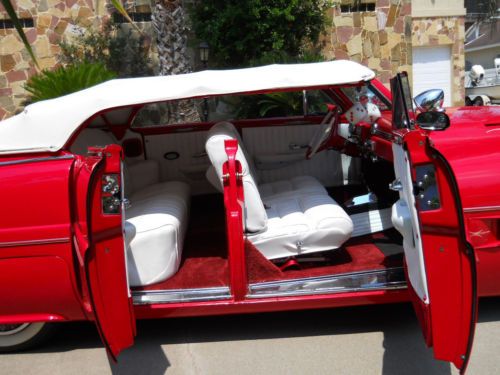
(233, 201)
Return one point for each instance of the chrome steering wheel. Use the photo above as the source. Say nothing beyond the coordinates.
(324, 132)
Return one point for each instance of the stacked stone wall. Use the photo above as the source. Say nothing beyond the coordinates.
(52, 19)
(380, 39)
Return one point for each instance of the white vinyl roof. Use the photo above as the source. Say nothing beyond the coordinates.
(47, 125)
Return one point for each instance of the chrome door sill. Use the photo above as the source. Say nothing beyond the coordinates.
(180, 295)
(387, 279)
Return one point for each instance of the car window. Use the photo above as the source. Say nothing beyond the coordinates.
(169, 113)
(355, 93)
(232, 107)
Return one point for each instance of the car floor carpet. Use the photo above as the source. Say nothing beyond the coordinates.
(205, 261)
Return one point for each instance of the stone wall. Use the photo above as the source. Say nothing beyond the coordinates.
(380, 40)
(440, 32)
(52, 19)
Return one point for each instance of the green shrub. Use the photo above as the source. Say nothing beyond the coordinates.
(120, 49)
(65, 80)
(242, 31)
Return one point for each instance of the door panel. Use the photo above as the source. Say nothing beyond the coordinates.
(99, 241)
(440, 263)
(182, 157)
(276, 143)
(406, 221)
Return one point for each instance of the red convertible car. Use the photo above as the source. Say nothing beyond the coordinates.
(272, 188)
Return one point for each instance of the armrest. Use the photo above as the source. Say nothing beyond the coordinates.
(143, 173)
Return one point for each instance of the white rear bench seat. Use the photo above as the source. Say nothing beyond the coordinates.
(284, 218)
(156, 221)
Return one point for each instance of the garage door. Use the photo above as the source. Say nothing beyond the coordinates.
(432, 70)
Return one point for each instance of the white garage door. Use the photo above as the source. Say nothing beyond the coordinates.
(432, 70)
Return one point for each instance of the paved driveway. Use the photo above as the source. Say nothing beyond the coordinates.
(363, 340)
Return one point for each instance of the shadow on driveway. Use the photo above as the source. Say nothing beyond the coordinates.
(404, 348)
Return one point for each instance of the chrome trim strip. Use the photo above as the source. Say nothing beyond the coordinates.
(35, 242)
(36, 160)
(388, 279)
(146, 297)
(480, 209)
(382, 134)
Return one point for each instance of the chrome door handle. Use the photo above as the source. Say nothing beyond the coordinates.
(295, 147)
(199, 155)
(126, 203)
(396, 185)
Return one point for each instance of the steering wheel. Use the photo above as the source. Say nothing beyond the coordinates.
(323, 133)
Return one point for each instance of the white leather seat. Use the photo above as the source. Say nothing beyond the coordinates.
(302, 224)
(304, 184)
(155, 229)
(295, 217)
(156, 221)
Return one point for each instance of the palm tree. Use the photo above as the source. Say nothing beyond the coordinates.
(169, 22)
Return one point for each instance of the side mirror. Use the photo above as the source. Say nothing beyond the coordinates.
(430, 100)
(433, 120)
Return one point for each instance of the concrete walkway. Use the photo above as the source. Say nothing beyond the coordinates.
(363, 340)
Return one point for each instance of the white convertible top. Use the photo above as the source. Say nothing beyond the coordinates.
(48, 125)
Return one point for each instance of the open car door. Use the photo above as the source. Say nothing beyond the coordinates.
(440, 264)
(100, 247)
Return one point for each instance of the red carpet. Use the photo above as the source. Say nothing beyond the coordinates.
(205, 264)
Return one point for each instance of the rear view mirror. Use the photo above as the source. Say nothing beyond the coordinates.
(433, 120)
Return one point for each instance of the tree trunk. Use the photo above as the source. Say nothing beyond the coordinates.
(169, 22)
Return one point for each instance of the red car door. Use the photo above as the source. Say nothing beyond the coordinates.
(100, 246)
(440, 264)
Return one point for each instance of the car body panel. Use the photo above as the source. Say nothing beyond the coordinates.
(37, 282)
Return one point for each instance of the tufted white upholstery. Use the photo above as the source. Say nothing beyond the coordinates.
(283, 218)
(302, 184)
(226, 130)
(155, 228)
(155, 223)
(255, 213)
(302, 224)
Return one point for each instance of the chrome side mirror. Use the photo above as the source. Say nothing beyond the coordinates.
(430, 100)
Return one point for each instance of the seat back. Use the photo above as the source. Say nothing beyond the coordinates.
(255, 217)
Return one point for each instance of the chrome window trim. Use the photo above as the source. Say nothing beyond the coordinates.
(480, 209)
(35, 242)
(36, 160)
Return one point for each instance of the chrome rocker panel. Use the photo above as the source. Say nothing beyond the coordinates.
(387, 279)
(180, 295)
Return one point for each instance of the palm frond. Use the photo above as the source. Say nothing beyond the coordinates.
(17, 24)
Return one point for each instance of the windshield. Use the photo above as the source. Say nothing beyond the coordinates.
(356, 93)
(233, 107)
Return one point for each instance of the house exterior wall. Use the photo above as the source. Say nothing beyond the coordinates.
(52, 19)
(380, 39)
(444, 28)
